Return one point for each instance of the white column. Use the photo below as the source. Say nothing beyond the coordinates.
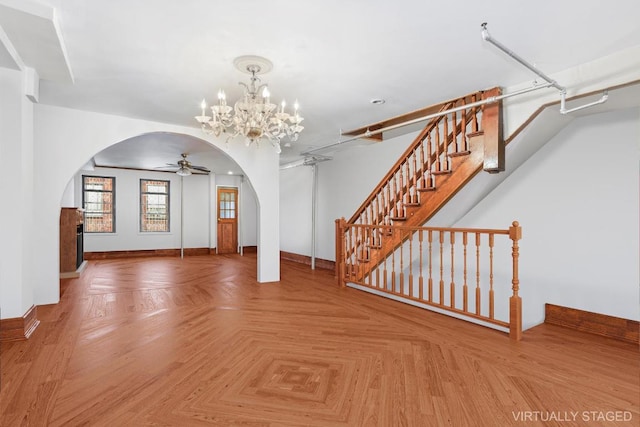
(16, 191)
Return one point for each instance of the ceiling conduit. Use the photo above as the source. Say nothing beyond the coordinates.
(549, 82)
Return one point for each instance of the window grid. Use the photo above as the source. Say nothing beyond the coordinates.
(227, 205)
(154, 205)
(98, 200)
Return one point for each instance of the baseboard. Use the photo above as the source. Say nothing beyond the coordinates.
(303, 259)
(595, 323)
(146, 253)
(19, 328)
(74, 274)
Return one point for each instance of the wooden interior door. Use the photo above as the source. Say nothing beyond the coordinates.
(227, 220)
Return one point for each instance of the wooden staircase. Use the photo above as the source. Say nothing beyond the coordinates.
(449, 151)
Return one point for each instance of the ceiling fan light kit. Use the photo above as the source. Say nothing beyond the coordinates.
(185, 168)
(253, 116)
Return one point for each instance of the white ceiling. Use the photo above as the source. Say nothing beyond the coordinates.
(157, 59)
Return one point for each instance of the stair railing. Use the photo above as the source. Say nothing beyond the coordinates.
(451, 269)
(429, 155)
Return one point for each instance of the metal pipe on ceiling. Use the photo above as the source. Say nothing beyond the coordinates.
(563, 90)
(487, 37)
(489, 100)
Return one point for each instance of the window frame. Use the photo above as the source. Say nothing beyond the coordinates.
(113, 203)
(143, 212)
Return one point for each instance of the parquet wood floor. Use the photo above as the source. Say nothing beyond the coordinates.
(198, 342)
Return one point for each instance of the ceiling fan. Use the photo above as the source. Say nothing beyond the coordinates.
(185, 168)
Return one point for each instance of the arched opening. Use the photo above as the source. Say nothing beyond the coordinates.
(123, 218)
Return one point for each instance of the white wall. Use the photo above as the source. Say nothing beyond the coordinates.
(577, 200)
(347, 180)
(295, 210)
(248, 214)
(16, 188)
(127, 235)
(65, 139)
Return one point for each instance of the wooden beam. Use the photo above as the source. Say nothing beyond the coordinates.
(399, 119)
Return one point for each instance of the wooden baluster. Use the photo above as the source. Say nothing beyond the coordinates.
(389, 206)
(399, 191)
(358, 251)
(399, 194)
(515, 302)
(401, 248)
(445, 150)
(430, 239)
(415, 175)
(478, 273)
(454, 120)
(474, 117)
(374, 204)
(424, 184)
(378, 243)
(408, 183)
(395, 195)
(385, 274)
(491, 303)
(438, 159)
(429, 163)
(370, 240)
(441, 239)
(465, 288)
(347, 256)
(452, 286)
(393, 265)
(388, 201)
(420, 280)
(463, 128)
(411, 264)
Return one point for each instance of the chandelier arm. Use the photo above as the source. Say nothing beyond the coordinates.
(252, 116)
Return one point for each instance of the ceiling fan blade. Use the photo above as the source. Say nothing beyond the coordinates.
(200, 168)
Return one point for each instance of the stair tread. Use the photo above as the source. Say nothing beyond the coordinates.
(460, 153)
(441, 172)
(427, 189)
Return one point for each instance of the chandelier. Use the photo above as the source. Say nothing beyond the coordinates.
(253, 116)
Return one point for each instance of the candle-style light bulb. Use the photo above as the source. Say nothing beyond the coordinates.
(203, 105)
(222, 97)
(282, 105)
(266, 94)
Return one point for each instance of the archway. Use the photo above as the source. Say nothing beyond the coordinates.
(66, 139)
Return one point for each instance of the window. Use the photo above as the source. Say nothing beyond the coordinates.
(98, 199)
(227, 203)
(154, 205)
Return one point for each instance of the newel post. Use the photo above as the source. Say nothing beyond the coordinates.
(515, 302)
(493, 138)
(340, 228)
